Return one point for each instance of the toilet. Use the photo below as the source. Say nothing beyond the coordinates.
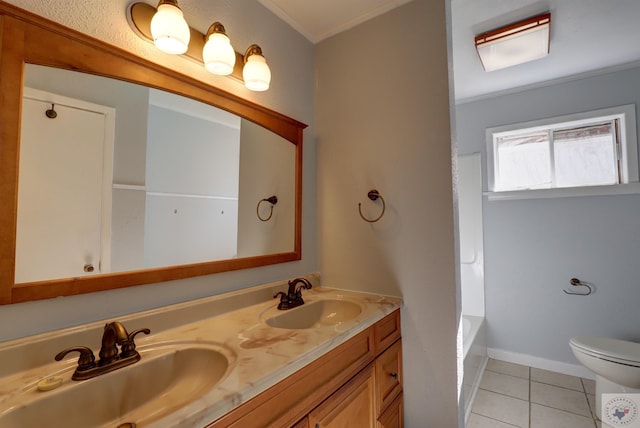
(616, 364)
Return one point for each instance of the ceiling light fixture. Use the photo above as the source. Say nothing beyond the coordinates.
(214, 50)
(516, 43)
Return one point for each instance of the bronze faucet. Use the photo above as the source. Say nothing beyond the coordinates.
(293, 297)
(114, 334)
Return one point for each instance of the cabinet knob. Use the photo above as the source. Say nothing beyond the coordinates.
(88, 268)
(394, 375)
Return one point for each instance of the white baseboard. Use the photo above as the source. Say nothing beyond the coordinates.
(540, 363)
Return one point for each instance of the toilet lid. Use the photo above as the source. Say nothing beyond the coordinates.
(611, 349)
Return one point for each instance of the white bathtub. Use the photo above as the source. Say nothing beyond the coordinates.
(475, 358)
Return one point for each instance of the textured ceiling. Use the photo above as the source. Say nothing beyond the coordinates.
(586, 35)
(320, 19)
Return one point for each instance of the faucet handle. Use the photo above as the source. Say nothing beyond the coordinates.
(282, 294)
(128, 348)
(86, 360)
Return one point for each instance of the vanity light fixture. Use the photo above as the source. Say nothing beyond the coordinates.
(169, 29)
(256, 73)
(218, 54)
(213, 50)
(516, 43)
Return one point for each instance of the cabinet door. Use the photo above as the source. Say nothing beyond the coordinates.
(350, 406)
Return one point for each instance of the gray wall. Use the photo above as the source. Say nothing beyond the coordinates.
(382, 114)
(533, 247)
(267, 167)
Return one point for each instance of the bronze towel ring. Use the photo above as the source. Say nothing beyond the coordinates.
(272, 200)
(373, 195)
(577, 283)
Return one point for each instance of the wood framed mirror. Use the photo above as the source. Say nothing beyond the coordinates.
(28, 40)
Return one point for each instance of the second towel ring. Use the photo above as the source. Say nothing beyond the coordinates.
(374, 195)
(577, 283)
(272, 200)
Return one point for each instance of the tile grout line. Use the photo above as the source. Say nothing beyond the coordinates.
(562, 410)
(594, 418)
(558, 386)
(497, 420)
(506, 374)
(502, 394)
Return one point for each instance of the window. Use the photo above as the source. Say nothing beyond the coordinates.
(589, 149)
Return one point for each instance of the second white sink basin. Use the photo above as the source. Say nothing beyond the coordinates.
(164, 380)
(319, 313)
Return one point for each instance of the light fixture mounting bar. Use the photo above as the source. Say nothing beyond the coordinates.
(139, 16)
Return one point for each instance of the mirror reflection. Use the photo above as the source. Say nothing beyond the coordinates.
(117, 177)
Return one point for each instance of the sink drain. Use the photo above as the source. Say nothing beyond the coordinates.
(127, 425)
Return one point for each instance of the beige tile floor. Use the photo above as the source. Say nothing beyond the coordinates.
(511, 395)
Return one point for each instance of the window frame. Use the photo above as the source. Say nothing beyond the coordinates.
(628, 151)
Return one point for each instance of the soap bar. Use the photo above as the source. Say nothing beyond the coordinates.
(49, 383)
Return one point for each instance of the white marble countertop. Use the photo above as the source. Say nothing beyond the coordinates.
(259, 355)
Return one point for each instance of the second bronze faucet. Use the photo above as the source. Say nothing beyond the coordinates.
(293, 297)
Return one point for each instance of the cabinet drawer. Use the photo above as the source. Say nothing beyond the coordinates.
(393, 416)
(388, 373)
(387, 331)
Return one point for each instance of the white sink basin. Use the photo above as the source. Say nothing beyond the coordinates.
(167, 378)
(319, 313)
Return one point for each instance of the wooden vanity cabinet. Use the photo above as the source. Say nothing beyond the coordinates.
(357, 384)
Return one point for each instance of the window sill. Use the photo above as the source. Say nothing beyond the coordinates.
(617, 189)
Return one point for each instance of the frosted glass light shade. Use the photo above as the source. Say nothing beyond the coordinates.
(169, 29)
(218, 55)
(256, 73)
(514, 44)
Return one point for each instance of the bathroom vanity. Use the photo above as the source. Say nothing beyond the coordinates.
(228, 360)
(359, 382)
